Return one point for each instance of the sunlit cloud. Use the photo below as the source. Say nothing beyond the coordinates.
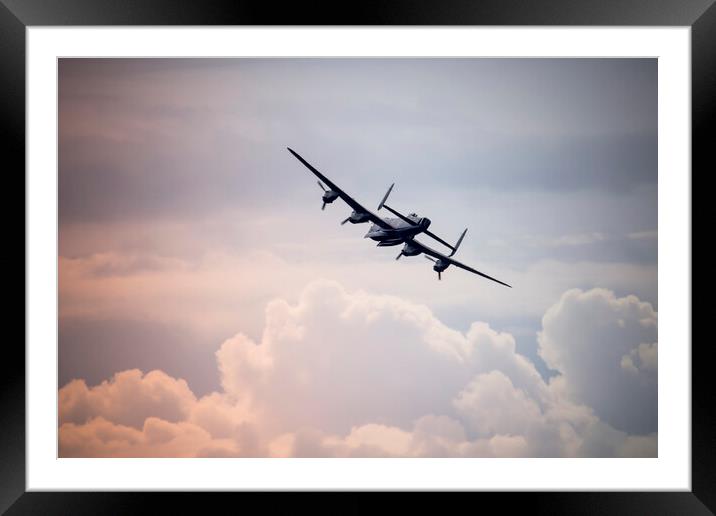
(348, 373)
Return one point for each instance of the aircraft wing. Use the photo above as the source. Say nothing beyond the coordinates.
(435, 254)
(350, 201)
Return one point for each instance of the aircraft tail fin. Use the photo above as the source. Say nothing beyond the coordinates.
(459, 241)
(385, 197)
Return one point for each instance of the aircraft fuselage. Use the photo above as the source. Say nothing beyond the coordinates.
(401, 233)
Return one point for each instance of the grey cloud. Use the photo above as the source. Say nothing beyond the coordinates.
(94, 349)
(179, 139)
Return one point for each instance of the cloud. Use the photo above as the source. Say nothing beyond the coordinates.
(349, 373)
(128, 398)
(492, 405)
(349, 357)
(606, 351)
(152, 414)
(168, 139)
(233, 288)
(99, 437)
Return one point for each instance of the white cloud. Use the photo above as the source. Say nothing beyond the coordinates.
(347, 358)
(342, 373)
(491, 405)
(597, 341)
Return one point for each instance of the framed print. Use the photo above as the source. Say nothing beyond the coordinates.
(224, 227)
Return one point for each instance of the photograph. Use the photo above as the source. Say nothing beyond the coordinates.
(353, 257)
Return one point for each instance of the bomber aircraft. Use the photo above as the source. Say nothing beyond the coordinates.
(392, 231)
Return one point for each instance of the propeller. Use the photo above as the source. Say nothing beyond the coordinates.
(398, 257)
(434, 261)
(345, 221)
(325, 190)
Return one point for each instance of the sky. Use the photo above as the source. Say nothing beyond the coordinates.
(208, 307)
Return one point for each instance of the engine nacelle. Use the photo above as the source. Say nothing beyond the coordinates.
(358, 217)
(329, 196)
(410, 250)
(440, 266)
(425, 223)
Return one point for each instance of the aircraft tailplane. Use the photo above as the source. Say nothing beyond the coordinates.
(459, 241)
(385, 198)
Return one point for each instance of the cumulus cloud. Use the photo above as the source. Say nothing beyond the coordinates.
(606, 350)
(99, 437)
(492, 405)
(128, 398)
(153, 414)
(349, 373)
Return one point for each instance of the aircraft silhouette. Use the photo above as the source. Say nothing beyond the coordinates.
(389, 231)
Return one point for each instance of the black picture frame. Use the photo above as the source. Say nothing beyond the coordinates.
(16, 15)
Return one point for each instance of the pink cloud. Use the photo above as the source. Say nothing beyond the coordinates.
(128, 398)
(342, 373)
